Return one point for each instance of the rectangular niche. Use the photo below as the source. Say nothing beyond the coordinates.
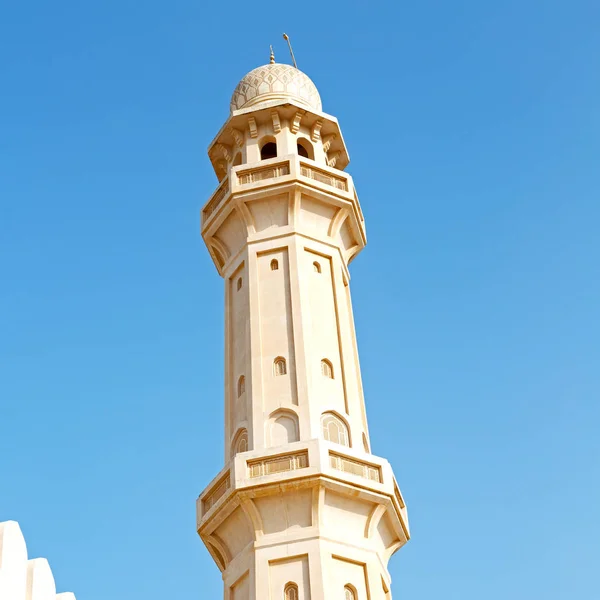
(240, 590)
(290, 570)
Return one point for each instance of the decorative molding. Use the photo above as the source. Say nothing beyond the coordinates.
(221, 169)
(318, 502)
(215, 553)
(295, 199)
(224, 150)
(374, 519)
(352, 252)
(247, 217)
(221, 546)
(315, 134)
(338, 220)
(276, 121)
(295, 126)
(327, 140)
(252, 127)
(390, 550)
(398, 496)
(238, 136)
(253, 515)
(332, 158)
(217, 245)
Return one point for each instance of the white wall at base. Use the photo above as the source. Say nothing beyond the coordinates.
(21, 578)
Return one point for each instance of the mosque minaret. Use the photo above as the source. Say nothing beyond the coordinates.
(301, 510)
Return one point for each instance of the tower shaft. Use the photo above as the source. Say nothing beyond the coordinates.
(302, 510)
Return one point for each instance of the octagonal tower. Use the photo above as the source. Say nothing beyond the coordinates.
(301, 510)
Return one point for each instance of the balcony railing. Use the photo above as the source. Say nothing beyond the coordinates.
(217, 492)
(355, 467)
(262, 173)
(221, 192)
(241, 177)
(278, 464)
(340, 183)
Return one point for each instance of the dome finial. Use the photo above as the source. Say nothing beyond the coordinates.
(272, 60)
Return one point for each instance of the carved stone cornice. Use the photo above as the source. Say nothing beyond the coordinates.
(327, 140)
(238, 136)
(224, 150)
(295, 126)
(252, 127)
(276, 121)
(315, 134)
(332, 158)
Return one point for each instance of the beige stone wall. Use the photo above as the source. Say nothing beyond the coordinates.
(22, 578)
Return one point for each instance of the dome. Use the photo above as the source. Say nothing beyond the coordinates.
(275, 82)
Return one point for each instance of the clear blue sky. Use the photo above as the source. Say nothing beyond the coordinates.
(474, 131)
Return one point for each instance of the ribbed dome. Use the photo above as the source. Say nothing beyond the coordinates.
(275, 82)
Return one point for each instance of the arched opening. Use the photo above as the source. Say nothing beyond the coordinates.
(290, 592)
(334, 429)
(268, 150)
(349, 593)
(279, 366)
(284, 429)
(239, 283)
(237, 160)
(274, 265)
(327, 368)
(305, 149)
(240, 443)
(241, 385)
(317, 267)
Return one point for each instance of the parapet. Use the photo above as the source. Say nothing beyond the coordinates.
(22, 578)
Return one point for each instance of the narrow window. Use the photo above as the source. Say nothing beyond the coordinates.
(274, 265)
(239, 283)
(327, 368)
(350, 592)
(241, 385)
(317, 267)
(334, 430)
(237, 160)
(291, 592)
(279, 366)
(366, 443)
(269, 150)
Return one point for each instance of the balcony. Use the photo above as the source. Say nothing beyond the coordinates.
(277, 171)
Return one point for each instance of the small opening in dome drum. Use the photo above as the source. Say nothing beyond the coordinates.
(269, 150)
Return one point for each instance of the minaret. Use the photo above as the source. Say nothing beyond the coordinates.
(301, 510)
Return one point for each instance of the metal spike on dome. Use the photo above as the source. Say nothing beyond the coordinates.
(272, 61)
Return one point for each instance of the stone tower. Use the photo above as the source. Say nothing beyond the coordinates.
(302, 510)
